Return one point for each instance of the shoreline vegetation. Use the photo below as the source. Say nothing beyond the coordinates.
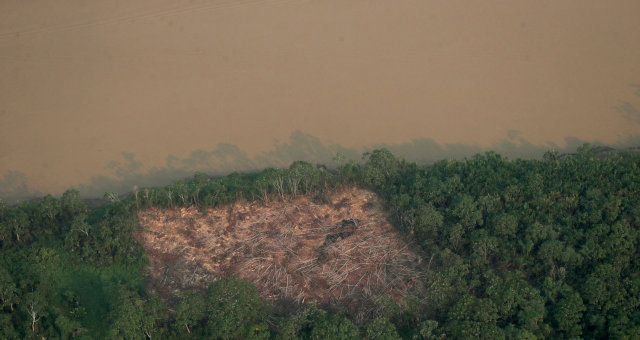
(599, 152)
(527, 249)
(127, 172)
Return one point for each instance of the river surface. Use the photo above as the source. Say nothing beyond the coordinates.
(93, 92)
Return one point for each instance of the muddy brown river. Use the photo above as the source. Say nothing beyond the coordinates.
(107, 95)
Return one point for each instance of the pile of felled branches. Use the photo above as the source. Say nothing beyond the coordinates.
(345, 253)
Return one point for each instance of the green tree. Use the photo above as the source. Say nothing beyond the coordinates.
(567, 314)
(381, 329)
(8, 290)
(332, 326)
(466, 211)
(71, 204)
(474, 318)
(235, 310)
(190, 311)
(7, 328)
(34, 307)
(17, 223)
(135, 317)
(429, 331)
(381, 167)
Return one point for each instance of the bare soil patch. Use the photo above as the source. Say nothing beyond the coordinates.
(343, 253)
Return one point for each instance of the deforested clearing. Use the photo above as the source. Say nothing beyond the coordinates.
(339, 252)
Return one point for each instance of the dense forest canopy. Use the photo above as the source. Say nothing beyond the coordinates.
(512, 249)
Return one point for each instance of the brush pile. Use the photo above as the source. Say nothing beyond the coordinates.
(344, 253)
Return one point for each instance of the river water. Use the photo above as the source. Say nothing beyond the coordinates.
(143, 92)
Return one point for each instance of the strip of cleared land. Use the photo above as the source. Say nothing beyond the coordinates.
(339, 252)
